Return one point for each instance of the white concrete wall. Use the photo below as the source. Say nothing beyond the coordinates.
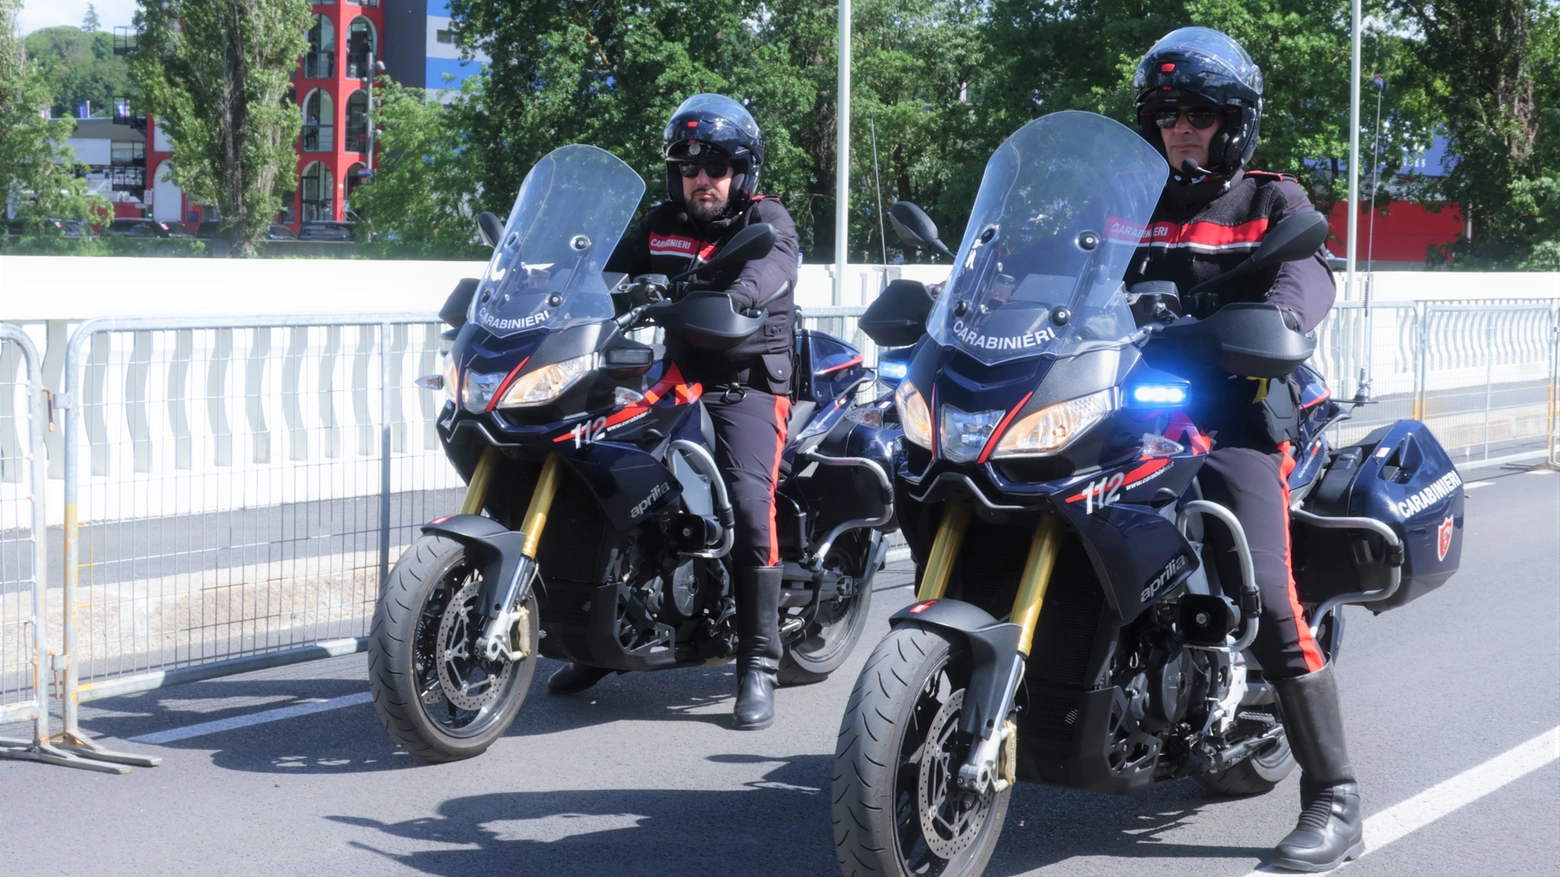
(44, 288)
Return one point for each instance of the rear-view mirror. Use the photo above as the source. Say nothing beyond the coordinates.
(490, 227)
(1292, 239)
(915, 228)
(752, 242)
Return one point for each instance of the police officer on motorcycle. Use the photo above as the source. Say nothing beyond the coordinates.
(714, 152)
(1199, 101)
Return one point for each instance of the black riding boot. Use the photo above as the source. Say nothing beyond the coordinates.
(758, 646)
(574, 678)
(1330, 830)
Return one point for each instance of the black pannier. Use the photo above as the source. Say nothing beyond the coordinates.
(1399, 475)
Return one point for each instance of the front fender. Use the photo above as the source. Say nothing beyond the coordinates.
(993, 645)
(496, 548)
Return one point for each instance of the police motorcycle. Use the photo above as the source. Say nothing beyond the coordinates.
(595, 524)
(1067, 629)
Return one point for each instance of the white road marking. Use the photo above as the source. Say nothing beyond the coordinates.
(276, 715)
(1472, 484)
(1404, 818)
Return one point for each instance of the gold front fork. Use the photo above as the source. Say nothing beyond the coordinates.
(1047, 543)
(481, 477)
(541, 498)
(541, 503)
(945, 550)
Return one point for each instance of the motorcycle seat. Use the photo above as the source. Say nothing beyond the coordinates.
(801, 413)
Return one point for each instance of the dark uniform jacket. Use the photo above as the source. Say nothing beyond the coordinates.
(667, 241)
(1195, 234)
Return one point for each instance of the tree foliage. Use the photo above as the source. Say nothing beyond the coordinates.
(215, 75)
(418, 202)
(1496, 68)
(79, 67)
(38, 171)
(942, 82)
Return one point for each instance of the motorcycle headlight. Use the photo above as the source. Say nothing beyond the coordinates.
(913, 414)
(1051, 428)
(451, 378)
(964, 435)
(548, 382)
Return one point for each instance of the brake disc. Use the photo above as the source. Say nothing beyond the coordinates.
(951, 819)
(457, 661)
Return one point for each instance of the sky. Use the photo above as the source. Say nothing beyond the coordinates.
(38, 14)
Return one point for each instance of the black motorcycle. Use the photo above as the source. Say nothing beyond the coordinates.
(1067, 629)
(607, 525)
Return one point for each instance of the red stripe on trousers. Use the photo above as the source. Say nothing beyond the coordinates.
(782, 414)
(1313, 654)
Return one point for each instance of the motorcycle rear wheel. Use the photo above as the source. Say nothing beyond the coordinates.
(897, 810)
(1257, 774)
(433, 695)
(827, 641)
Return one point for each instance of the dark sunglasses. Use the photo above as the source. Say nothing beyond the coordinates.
(1201, 118)
(715, 169)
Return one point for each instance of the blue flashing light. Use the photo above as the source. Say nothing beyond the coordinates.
(892, 370)
(1159, 394)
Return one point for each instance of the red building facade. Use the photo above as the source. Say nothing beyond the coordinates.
(331, 88)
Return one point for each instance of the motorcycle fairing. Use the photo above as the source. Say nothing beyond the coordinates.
(630, 482)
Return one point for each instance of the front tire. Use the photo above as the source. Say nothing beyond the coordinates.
(897, 810)
(433, 695)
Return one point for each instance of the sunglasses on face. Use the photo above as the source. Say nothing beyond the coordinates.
(715, 169)
(1201, 118)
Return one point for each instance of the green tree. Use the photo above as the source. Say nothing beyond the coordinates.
(215, 74)
(418, 202)
(1081, 55)
(80, 68)
(1495, 65)
(605, 72)
(90, 22)
(38, 172)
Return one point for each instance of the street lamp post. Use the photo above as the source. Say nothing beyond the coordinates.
(842, 158)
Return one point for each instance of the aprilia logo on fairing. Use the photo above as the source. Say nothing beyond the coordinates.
(644, 504)
(1441, 489)
(1164, 577)
(490, 323)
(995, 342)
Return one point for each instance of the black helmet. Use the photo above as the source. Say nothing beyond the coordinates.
(1202, 63)
(714, 126)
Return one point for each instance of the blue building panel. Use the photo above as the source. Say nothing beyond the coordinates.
(459, 69)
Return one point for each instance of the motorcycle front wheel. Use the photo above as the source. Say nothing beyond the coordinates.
(434, 694)
(897, 808)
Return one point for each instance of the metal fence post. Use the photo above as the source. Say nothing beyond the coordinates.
(41, 747)
(70, 738)
(384, 453)
(1421, 356)
(1554, 386)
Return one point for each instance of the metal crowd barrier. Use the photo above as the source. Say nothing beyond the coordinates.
(1483, 377)
(25, 660)
(236, 489)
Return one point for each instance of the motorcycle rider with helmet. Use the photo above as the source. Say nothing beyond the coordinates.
(714, 152)
(1199, 101)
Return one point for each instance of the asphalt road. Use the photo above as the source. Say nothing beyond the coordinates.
(641, 776)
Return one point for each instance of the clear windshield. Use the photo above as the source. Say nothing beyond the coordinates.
(547, 270)
(1062, 207)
